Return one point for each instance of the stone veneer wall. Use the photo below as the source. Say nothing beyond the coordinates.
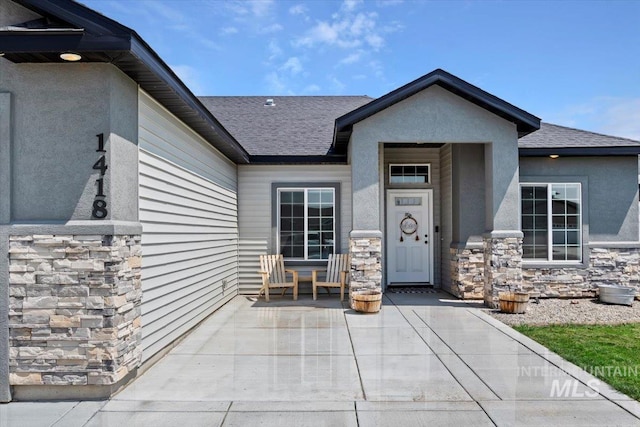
(502, 266)
(74, 315)
(467, 272)
(607, 266)
(366, 263)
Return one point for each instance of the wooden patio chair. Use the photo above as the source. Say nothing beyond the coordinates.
(338, 268)
(274, 275)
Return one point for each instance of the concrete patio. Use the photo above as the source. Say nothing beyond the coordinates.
(425, 359)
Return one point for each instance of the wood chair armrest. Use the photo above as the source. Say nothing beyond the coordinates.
(293, 272)
(314, 274)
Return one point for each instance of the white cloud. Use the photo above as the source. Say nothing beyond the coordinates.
(298, 9)
(312, 88)
(292, 65)
(350, 5)
(351, 58)
(261, 8)
(228, 31)
(273, 28)
(336, 84)
(274, 50)
(386, 3)
(609, 115)
(276, 85)
(189, 76)
(345, 32)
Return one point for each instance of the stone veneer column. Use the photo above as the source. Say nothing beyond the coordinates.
(365, 248)
(502, 264)
(467, 270)
(74, 314)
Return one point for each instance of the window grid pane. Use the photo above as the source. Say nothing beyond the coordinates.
(551, 222)
(566, 222)
(409, 174)
(306, 225)
(534, 222)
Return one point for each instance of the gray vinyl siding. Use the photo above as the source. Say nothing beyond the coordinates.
(419, 155)
(188, 211)
(254, 205)
(446, 229)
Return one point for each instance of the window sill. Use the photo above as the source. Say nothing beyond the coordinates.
(553, 264)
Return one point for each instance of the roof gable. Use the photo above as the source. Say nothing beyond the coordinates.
(526, 122)
(68, 26)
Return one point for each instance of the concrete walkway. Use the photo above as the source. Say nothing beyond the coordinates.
(425, 359)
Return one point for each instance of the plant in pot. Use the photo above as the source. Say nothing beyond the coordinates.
(513, 301)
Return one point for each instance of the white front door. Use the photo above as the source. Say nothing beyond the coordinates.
(409, 236)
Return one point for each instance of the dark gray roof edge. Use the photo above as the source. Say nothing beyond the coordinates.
(301, 160)
(526, 122)
(580, 151)
(94, 22)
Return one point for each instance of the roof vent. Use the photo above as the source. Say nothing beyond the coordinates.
(269, 103)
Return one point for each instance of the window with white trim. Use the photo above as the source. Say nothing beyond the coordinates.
(409, 173)
(551, 221)
(306, 223)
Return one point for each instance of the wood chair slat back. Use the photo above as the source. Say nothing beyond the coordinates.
(336, 264)
(274, 265)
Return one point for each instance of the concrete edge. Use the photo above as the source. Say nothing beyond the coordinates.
(604, 389)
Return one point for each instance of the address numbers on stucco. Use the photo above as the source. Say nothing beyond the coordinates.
(100, 203)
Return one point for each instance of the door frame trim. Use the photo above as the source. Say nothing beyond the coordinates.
(431, 256)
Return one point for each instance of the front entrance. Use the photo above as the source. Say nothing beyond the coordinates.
(409, 236)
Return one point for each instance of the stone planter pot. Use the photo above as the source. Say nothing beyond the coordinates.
(366, 301)
(513, 302)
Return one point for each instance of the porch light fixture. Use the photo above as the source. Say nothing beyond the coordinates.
(70, 56)
(554, 156)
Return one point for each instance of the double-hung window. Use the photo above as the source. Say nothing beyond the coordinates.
(551, 221)
(306, 223)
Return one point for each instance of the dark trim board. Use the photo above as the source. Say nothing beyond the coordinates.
(580, 151)
(302, 160)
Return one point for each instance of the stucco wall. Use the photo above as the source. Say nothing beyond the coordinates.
(468, 188)
(610, 212)
(436, 116)
(57, 111)
(50, 115)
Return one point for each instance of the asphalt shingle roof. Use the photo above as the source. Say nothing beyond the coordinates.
(294, 126)
(304, 125)
(554, 136)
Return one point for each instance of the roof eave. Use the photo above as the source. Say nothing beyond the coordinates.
(525, 122)
(299, 160)
(579, 151)
(125, 49)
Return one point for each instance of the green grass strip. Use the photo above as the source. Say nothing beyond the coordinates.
(610, 353)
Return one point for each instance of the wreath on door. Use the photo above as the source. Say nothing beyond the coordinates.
(408, 226)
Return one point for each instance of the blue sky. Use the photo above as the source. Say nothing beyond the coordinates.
(571, 63)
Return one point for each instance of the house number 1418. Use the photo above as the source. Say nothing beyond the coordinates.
(100, 204)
